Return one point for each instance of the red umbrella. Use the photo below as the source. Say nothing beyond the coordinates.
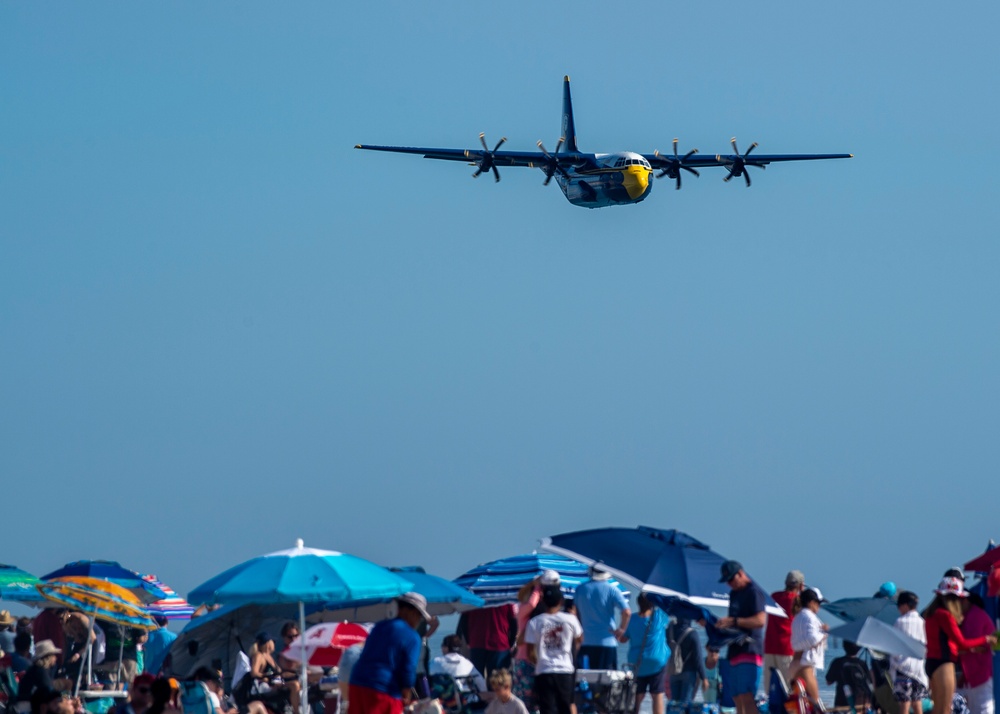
(983, 563)
(325, 643)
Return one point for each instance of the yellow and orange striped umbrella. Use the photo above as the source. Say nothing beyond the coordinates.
(98, 598)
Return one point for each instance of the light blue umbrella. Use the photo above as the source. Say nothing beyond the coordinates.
(874, 634)
(301, 575)
(443, 598)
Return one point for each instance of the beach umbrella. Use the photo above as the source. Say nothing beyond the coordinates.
(665, 562)
(113, 572)
(98, 599)
(220, 635)
(982, 563)
(498, 581)
(326, 642)
(851, 609)
(301, 575)
(877, 635)
(172, 607)
(18, 585)
(443, 598)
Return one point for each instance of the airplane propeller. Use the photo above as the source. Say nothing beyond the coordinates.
(552, 162)
(739, 166)
(486, 162)
(673, 166)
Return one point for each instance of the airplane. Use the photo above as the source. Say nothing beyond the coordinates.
(599, 180)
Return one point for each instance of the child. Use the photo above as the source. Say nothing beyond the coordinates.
(712, 675)
(852, 677)
(504, 701)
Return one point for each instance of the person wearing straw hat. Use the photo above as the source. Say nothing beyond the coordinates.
(39, 676)
(7, 622)
(384, 675)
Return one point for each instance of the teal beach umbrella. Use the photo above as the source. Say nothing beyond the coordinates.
(300, 575)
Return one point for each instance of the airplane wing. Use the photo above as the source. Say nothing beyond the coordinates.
(531, 159)
(736, 163)
(663, 161)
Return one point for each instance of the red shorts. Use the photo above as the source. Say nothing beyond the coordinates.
(362, 700)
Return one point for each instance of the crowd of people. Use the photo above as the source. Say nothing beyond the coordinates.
(531, 657)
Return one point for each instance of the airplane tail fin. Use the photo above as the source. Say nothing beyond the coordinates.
(568, 128)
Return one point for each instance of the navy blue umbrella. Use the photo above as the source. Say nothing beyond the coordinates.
(664, 562)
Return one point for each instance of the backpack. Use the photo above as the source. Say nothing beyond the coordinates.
(857, 685)
(676, 663)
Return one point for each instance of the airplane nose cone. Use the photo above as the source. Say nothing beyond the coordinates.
(637, 181)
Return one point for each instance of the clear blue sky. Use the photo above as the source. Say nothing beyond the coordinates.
(224, 328)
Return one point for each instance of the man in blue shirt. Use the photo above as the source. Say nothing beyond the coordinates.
(597, 601)
(386, 671)
(156, 647)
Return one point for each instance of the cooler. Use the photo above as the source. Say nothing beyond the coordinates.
(605, 691)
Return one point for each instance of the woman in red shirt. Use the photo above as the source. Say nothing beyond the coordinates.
(944, 641)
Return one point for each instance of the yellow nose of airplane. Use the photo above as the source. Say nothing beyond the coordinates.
(636, 180)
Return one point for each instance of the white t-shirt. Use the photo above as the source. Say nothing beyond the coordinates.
(511, 706)
(553, 636)
(457, 666)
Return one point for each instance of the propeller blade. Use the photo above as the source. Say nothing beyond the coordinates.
(496, 174)
(746, 177)
(690, 170)
(733, 142)
(500, 143)
(689, 154)
(559, 144)
(729, 177)
(752, 147)
(482, 140)
(548, 178)
(675, 148)
(678, 186)
(478, 171)
(541, 147)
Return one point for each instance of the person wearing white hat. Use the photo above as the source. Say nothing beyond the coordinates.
(809, 643)
(945, 641)
(384, 675)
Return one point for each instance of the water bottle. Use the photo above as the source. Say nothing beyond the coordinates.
(584, 685)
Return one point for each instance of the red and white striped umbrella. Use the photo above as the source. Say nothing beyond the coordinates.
(325, 643)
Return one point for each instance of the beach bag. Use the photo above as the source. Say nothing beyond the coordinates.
(675, 665)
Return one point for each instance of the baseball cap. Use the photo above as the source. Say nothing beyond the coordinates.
(729, 570)
(549, 577)
(794, 577)
(811, 593)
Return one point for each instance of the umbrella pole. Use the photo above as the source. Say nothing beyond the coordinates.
(86, 653)
(303, 676)
(121, 655)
